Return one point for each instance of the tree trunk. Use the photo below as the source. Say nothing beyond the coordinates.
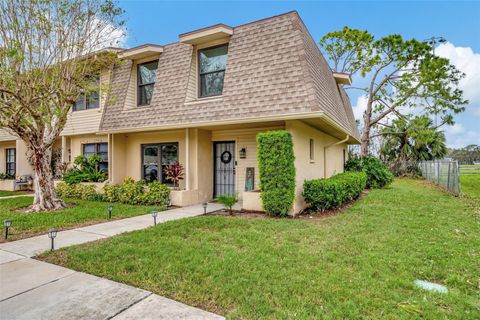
(45, 195)
(365, 142)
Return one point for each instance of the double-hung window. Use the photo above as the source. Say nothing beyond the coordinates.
(10, 164)
(89, 99)
(100, 149)
(212, 63)
(146, 74)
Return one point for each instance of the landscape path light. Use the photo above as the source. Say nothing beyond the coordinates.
(52, 233)
(110, 209)
(205, 205)
(7, 223)
(154, 215)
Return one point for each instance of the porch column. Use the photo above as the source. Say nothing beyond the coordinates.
(187, 159)
(64, 150)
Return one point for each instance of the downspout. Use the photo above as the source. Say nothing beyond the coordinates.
(325, 153)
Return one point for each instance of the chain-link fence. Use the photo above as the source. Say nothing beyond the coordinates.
(445, 173)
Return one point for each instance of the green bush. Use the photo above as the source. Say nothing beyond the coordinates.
(111, 193)
(378, 175)
(77, 191)
(228, 201)
(86, 170)
(138, 192)
(354, 163)
(277, 171)
(157, 194)
(322, 194)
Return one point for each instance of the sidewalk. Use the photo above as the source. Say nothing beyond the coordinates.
(32, 289)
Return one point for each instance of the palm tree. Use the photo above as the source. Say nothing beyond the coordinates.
(411, 139)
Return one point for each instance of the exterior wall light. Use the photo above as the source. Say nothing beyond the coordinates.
(110, 209)
(154, 215)
(205, 205)
(243, 153)
(52, 233)
(7, 223)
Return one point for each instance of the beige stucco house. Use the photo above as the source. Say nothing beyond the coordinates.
(201, 101)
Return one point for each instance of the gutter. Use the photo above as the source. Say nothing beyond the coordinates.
(325, 153)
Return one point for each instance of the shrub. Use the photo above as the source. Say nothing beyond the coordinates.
(157, 194)
(228, 201)
(322, 194)
(86, 170)
(77, 191)
(138, 192)
(174, 172)
(131, 192)
(111, 193)
(354, 163)
(4, 176)
(378, 175)
(277, 171)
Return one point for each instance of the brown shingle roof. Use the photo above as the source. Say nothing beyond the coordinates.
(273, 68)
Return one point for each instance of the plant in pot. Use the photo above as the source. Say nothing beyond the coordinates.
(174, 172)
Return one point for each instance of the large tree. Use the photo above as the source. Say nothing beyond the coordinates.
(402, 76)
(49, 53)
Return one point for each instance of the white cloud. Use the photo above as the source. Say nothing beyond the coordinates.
(467, 61)
(360, 107)
(458, 137)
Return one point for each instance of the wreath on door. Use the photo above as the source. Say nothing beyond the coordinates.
(226, 157)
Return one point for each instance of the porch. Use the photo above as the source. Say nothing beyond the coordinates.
(216, 160)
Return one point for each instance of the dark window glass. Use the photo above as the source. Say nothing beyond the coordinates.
(10, 167)
(212, 63)
(90, 100)
(100, 149)
(147, 73)
(156, 157)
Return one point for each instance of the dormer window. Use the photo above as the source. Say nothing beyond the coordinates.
(212, 63)
(146, 73)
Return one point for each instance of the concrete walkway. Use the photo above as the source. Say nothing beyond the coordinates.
(18, 196)
(32, 289)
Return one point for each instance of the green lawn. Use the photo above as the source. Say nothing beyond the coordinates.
(470, 184)
(357, 264)
(4, 193)
(83, 213)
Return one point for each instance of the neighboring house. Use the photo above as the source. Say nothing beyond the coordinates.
(202, 100)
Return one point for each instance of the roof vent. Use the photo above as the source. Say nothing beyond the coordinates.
(211, 33)
(342, 78)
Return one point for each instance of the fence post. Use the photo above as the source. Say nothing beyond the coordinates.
(448, 179)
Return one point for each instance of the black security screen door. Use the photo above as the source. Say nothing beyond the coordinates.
(224, 168)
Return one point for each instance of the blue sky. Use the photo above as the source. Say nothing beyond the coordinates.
(459, 22)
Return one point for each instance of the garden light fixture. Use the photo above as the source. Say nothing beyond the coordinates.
(52, 233)
(205, 205)
(110, 209)
(154, 215)
(7, 223)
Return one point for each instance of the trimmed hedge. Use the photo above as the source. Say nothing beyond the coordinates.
(277, 171)
(322, 194)
(78, 191)
(130, 192)
(138, 192)
(378, 175)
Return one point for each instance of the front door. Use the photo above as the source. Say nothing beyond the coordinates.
(224, 183)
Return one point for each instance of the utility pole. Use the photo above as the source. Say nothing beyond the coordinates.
(433, 41)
